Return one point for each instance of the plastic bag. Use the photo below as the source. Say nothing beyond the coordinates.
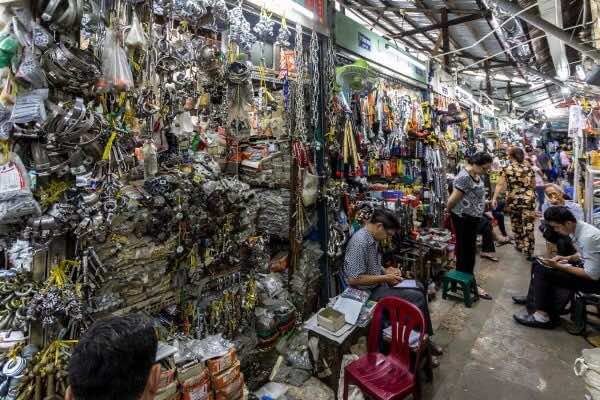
(588, 366)
(136, 37)
(8, 47)
(20, 255)
(310, 189)
(30, 107)
(116, 72)
(270, 286)
(30, 70)
(16, 199)
(354, 393)
(296, 353)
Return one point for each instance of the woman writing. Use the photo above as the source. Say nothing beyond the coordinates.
(518, 180)
(466, 206)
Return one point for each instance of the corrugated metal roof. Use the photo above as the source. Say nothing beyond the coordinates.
(396, 17)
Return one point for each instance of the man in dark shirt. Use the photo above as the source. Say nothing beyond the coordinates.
(363, 268)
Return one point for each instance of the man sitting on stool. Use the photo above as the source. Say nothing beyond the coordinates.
(548, 275)
(363, 269)
(555, 196)
(564, 245)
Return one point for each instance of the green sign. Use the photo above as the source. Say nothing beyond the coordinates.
(359, 40)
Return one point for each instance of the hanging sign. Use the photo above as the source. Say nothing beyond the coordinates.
(360, 41)
(364, 42)
(464, 97)
(576, 121)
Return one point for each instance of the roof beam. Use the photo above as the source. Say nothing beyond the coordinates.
(442, 25)
(498, 64)
(550, 29)
(414, 43)
(423, 10)
(532, 91)
(409, 21)
(469, 56)
(493, 24)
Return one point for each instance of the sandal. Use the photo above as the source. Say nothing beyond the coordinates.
(489, 257)
(483, 294)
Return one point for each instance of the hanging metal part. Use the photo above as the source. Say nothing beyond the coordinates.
(549, 28)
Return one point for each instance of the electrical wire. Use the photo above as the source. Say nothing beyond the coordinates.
(520, 44)
(489, 33)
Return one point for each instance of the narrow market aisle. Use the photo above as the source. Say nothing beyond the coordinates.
(488, 356)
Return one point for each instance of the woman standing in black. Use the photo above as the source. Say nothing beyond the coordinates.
(466, 205)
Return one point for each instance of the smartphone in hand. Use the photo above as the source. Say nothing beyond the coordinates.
(542, 261)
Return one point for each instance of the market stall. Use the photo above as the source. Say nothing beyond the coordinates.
(205, 163)
(161, 158)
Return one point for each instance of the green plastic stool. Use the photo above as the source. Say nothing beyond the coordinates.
(467, 284)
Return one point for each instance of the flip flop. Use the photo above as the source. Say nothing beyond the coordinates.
(484, 295)
(489, 257)
(503, 242)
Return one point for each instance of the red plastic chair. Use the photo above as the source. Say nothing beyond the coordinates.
(392, 376)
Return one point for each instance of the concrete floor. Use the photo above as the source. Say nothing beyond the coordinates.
(488, 356)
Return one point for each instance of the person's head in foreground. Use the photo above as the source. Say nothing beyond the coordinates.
(383, 224)
(561, 220)
(115, 360)
(554, 194)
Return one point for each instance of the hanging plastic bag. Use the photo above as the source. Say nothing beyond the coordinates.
(116, 72)
(8, 46)
(310, 189)
(588, 367)
(16, 199)
(30, 70)
(136, 37)
(30, 106)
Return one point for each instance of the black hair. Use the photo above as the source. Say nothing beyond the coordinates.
(480, 158)
(386, 217)
(113, 359)
(559, 215)
(517, 153)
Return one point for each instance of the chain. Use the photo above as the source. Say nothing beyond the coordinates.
(300, 128)
(314, 83)
(329, 68)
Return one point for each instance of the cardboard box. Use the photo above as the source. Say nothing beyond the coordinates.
(166, 377)
(196, 388)
(220, 364)
(233, 391)
(223, 379)
(190, 372)
(168, 392)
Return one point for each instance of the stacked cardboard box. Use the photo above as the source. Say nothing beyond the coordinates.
(226, 378)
